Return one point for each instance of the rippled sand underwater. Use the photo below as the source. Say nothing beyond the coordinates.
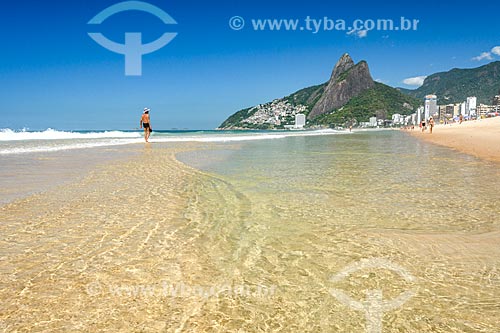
(292, 235)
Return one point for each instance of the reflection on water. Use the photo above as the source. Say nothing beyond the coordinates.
(380, 180)
(316, 205)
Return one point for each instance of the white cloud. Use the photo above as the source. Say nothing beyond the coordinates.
(362, 33)
(415, 81)
(358, 33)
(482, 56)
(488, 55)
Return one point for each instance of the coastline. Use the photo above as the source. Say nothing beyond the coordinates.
(480, 138)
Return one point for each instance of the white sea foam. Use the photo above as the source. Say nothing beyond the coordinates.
(59, 147)
(51, 134)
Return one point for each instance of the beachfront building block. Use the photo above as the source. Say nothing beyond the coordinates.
(420, 114)
(484, 110)
(471, 106)
(430, 107)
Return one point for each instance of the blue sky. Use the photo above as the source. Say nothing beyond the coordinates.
(52, 74)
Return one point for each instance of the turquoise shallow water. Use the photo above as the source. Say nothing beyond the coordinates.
(293, 213)
(381, 179)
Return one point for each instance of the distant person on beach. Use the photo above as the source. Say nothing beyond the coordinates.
(145, 123)
(422, 125)
(431, 124)
(461, 118)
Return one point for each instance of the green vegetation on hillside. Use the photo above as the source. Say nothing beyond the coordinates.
(307, 96)
(345, 74)
(237, 118)
(381, 101)
(456, 85)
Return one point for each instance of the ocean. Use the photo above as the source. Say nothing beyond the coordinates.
(25, 141)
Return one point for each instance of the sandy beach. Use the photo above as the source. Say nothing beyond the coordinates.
(480, 138)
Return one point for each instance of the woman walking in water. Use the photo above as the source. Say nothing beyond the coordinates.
(145, 123)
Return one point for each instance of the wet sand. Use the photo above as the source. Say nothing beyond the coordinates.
(25, 174)
(480, 138)
(61, 248)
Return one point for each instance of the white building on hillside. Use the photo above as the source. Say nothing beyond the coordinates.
(300, 120)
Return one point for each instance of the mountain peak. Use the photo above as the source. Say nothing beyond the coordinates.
(347, 81)
(343, 64)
